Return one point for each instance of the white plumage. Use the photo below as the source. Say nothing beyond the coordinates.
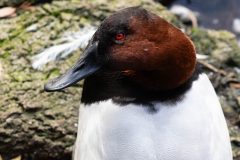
(191, 129)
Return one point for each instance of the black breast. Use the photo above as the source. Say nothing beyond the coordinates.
(113, 85)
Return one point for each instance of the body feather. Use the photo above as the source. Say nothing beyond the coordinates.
(192, 129)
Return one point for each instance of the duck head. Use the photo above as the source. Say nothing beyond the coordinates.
(139, 45)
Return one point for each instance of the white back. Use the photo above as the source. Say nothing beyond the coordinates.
(192, 129)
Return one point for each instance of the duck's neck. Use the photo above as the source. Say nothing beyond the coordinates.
(113, 85)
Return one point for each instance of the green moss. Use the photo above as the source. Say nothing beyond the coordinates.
(53, 73)
(5, 55)
(204, 44)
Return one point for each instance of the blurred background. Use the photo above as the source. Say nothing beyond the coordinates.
(40, 39)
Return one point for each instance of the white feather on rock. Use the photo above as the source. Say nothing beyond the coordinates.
(74, 41)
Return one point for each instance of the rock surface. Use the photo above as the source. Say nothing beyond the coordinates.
(40, 125)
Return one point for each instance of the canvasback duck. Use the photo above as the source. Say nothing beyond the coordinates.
(143, 96)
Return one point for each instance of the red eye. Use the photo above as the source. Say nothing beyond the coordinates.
(119, 37)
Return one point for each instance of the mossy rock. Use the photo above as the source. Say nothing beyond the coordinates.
(220, 45)
(16, 2)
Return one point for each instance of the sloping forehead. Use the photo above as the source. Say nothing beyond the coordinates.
(122, 21)
(123, 17)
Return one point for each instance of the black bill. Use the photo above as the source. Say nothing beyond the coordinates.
(86, 66)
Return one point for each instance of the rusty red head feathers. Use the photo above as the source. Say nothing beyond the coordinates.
(152, 51)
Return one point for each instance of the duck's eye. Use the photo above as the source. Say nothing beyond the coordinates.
(120, 37)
